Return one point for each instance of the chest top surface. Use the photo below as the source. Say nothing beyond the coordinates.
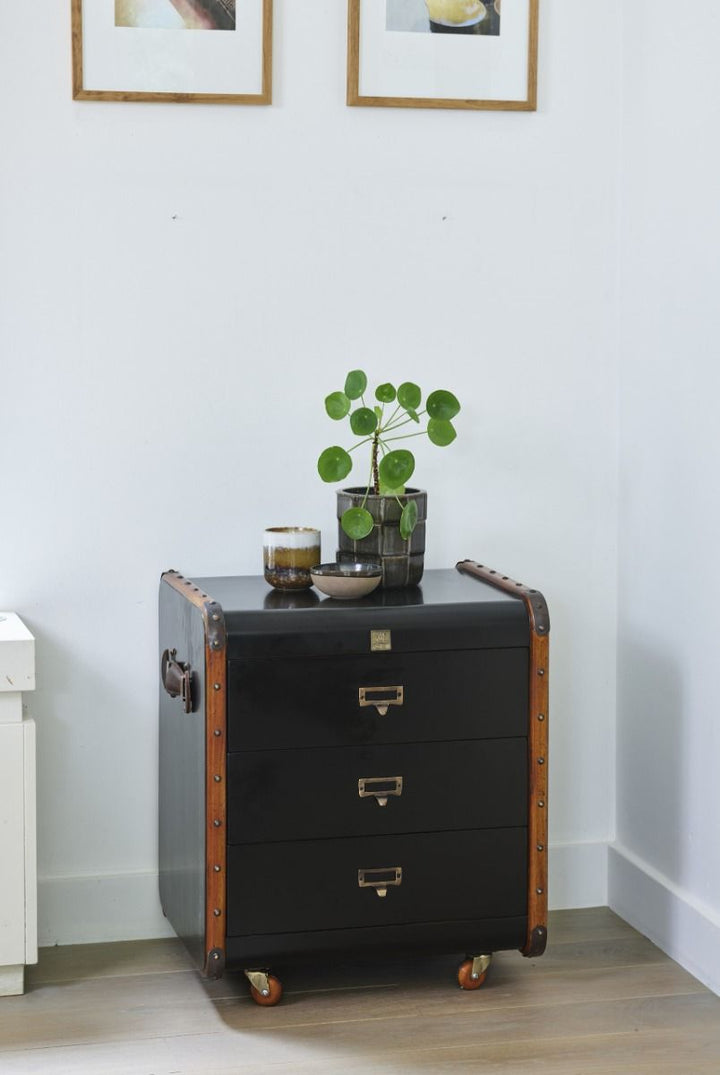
(448, 610)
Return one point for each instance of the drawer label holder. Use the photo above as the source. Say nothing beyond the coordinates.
(380, 788)
(381, 697)
(380, 879)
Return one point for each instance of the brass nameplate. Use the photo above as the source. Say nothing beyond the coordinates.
(380, 640)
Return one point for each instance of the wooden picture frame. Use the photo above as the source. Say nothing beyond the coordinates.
(257, 91)
(370, 87)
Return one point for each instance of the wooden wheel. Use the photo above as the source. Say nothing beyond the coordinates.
(465, 978)
(275, 991)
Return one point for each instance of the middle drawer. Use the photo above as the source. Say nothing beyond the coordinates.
(371, 791)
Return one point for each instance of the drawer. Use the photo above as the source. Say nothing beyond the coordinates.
(314, 885)
(315, 794)
(323, 701)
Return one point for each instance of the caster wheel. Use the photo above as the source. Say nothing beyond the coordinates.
(275, 991)
(465, 976)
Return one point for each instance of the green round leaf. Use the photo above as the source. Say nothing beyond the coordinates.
(337, 405)
(441, 432)
(385, 393)
(357, 523)
(409, 395)
(363, 421)
(442, 405)
(378, 412)
(408, 519)
(334, 464)
(386, 490)
(397, 468)
(355, 384)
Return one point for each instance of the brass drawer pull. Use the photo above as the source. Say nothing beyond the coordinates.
(380, 697)
(380, 879)
(380, 788)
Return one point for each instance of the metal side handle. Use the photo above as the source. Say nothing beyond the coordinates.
(176, 678)
(380, 788)
(380, 879)
(381, 697)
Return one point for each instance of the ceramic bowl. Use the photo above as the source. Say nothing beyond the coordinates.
(346, 581)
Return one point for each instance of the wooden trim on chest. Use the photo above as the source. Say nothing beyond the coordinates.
(538, 716)
(215, 769)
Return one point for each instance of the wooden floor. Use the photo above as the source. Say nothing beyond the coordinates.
(602, 999)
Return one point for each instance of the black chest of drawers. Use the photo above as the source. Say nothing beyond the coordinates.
(339, 776)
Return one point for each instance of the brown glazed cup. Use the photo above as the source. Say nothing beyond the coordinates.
(288, 554)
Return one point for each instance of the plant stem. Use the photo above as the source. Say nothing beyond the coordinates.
(374, 461)
(406, 436)
(405, 421)
(360, 443)
(367, 490)
(392, 416)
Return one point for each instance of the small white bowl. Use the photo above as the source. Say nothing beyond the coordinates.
(346, 581)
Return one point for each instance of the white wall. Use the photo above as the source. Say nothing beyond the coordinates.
(182, 285)
(665, 868)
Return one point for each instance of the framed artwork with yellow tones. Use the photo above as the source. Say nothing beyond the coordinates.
(478, 54)
(217, 51)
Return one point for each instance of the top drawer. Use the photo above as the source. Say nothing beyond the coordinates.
(299, 702)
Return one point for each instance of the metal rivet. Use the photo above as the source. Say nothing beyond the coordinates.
(216, 955)
(541, 803)
(217, 686)
(541, 716)
(216, 869)
(217, 779)
(217, 912)
(217, 645)
(475, 975)
(540, 629)
(539, 891)
(541, 671)
(265, 993)
(216, 616)
(217, 823)
(541, 761)
(541, 847)
(540, 930)
(217, 732)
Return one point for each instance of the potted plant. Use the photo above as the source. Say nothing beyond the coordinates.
(384, 520)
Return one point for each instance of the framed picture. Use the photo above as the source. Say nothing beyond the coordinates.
(217, 51)
(443, 54)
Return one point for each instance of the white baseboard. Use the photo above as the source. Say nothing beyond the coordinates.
(109, 907)
(126, 907)
(685, 928)
(577, 875)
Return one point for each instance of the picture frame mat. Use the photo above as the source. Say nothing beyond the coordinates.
(122, 63)
(409, 69)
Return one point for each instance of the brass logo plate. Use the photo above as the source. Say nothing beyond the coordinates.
(380, 640)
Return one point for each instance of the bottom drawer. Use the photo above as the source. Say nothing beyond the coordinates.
(314, 885)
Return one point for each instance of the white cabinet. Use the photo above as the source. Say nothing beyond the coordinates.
(18, 874)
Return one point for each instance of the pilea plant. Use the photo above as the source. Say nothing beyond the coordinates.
(379, 426)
